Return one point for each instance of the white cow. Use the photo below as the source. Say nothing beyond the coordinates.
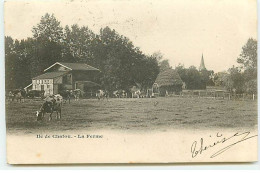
(102, 94)
(57, 97)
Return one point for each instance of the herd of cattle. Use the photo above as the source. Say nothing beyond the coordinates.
(19, 94)
(53, 103)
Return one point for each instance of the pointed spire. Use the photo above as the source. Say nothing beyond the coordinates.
(202, 65)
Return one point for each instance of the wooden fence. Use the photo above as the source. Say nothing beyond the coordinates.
(216, 95)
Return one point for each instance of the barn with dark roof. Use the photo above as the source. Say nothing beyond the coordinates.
(66, 76)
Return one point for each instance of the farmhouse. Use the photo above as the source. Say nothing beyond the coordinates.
(168, 82)
(66, 76)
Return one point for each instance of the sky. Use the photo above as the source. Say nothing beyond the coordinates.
(182, 30)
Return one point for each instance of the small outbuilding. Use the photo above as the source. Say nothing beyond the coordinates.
(168, 82)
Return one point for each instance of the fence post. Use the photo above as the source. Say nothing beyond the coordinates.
(253, 96)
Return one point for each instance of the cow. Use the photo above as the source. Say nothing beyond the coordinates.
(57, 97)
(66, 95)
(136, 94)
(11, 96)
(116, 94)
(76, 93)
(49, 106)
(136, 91)
(18, 94)
(35, 93)
(120, 93)
(102, 94)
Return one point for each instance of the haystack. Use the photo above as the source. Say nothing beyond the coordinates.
(169, 81)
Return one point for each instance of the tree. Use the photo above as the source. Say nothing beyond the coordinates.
(48, 35)
(122, 64)
(11, 63)
(182, 71)
(248, 56)
(248, 61)
(234, 81)
(17, 61)
(219, 78)
(78, 44)
(164, 65)
(205, 78)
(193, 80)
(157, 55)
(49, 29)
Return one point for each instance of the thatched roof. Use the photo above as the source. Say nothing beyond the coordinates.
(168, 77)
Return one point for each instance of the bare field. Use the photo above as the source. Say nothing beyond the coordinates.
(160, 114)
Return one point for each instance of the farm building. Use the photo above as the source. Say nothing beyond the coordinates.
(168, 82)
(66, 76)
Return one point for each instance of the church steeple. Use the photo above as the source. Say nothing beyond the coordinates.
(202, 65)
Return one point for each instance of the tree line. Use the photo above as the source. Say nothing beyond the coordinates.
(122, 65)
(243, 78)
(120, 62)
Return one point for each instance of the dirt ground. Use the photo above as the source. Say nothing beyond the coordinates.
(135, 115)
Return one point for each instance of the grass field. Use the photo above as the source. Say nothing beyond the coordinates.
(145, 114)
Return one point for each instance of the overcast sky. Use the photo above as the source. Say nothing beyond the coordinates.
(180, 29)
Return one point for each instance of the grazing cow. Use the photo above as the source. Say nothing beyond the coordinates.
(136, 91)
(116, 94)
(11, 96)
(102, 94)
(66, 95)
(136, 94)
(18, 94)
(49, 107)
(57, 97)
(123, 94)
(35, 93)
(77, 93)
(120, 94)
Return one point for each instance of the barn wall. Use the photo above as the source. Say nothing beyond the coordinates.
(57, 80)
(83, 75)
(48, 88)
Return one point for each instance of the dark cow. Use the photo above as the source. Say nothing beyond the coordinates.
(18, 94)
(49, 107)
(35, 93)
(66, 95)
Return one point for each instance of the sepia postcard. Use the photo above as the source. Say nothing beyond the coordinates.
(130, 81)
